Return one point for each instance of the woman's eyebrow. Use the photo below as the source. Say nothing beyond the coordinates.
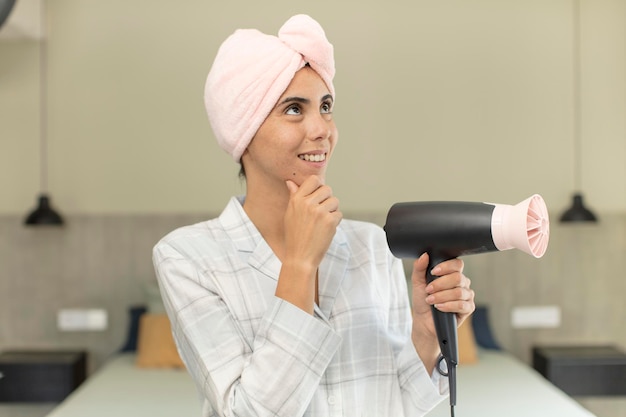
(296, 99)
(304, 100)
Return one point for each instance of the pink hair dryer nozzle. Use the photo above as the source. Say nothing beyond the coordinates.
(524, 226)
(449, 229)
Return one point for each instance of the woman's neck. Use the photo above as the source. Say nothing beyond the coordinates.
(266, 209)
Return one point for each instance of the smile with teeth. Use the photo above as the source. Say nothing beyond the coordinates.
(313, 157)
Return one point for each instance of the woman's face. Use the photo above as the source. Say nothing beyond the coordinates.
(297, 138)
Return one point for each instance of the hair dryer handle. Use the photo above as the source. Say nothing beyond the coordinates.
(445, 326)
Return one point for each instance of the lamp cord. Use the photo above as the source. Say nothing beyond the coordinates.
(43, 100)
(576, 80)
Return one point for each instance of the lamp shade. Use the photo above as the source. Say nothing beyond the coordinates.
(44, 214)
(578, 212)
(5, 10)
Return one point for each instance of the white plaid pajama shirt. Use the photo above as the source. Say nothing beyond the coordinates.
(252, 354)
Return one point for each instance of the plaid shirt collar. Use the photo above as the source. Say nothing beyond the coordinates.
(248, 240)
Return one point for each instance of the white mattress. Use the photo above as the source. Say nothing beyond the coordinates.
(499, 385)
(120, 389)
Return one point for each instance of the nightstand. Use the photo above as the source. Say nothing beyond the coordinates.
(40, 376)
(583, 370)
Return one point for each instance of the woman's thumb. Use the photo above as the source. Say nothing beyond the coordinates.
(293, 187)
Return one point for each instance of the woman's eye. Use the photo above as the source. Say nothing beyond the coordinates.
(326, 108)
(293, 109)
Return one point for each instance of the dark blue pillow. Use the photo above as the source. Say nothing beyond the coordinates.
(482, 329)
(134, 313)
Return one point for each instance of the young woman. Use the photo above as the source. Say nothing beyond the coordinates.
(278, 306)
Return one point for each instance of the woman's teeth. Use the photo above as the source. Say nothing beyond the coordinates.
(313, 158)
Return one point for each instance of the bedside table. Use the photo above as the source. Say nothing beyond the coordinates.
(583, 370)
(40, 376)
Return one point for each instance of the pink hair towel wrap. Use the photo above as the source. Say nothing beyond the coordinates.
(252, 70)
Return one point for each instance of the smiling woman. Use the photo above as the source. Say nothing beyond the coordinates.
(279, 306)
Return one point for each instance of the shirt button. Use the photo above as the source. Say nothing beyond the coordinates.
(331, 400)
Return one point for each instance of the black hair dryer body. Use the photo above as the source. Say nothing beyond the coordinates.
(447, 230)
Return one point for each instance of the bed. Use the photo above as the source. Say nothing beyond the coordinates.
(121, 389)
(497, 385)
(147, 379)
(501, 385)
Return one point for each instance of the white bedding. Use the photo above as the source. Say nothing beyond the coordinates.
(498, 385)
(120, 389)
(501, 385)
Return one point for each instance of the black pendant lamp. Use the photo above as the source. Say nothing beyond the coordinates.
(43, 214)
(577, 212)
(5, 10)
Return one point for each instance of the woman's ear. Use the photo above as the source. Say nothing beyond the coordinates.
(242, 168)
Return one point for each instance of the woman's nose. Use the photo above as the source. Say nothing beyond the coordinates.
(319, 127)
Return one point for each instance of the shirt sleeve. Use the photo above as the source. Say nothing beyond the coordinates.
(277, 375)
(420, 391)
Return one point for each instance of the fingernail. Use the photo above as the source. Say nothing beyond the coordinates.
(436, 270)
(429, 288)
(430, 299)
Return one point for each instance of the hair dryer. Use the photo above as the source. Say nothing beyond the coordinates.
(447, 230)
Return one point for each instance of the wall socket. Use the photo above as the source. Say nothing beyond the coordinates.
(73, 319)
(525, 317)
